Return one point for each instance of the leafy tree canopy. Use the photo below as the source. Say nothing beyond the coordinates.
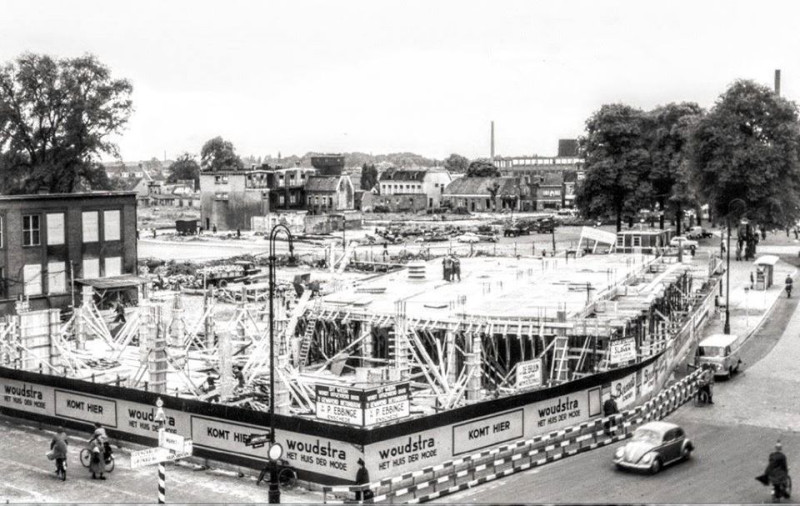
(369, 176)
(617, 163)
(56, 118)
(184, 168)
(219, 154)
(482, 168)
(747, 148)
(456, 163)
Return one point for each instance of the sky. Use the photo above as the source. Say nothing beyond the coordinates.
(403, 76)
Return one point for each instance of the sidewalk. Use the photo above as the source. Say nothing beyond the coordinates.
(748, 308)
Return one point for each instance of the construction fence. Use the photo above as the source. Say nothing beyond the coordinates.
(456, 475)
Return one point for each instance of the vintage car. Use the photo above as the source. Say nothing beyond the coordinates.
(683, 242)
(653, 446)
(469, 237)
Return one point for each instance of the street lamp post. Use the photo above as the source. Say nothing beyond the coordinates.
(275, 450)
(727, 328)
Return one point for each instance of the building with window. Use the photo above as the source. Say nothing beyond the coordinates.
(288, 188)
(47, 242)
(488, 194)
(548, 191)
(412, 189)
(229, 199)
(326, 194)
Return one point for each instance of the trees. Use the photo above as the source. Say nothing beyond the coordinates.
(617, 163)
(456, 163)
(219, 154)
(56, 117)
(668, 130)
(744, 156)
(369, 176)
(184, 168)
(482, 168)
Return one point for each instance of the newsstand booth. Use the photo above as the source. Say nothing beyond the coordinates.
(765, 270)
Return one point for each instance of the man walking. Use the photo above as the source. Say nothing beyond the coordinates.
(788, 286)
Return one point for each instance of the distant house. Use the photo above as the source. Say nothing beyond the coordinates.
(329, 194)
(549, 191)
(485, 194)
(412, 189)
(287, 188)
(229, 199)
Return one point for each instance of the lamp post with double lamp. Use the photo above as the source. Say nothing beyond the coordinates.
(727, 328)
(275, 449)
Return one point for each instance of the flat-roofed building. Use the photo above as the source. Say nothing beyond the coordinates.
(49, 241)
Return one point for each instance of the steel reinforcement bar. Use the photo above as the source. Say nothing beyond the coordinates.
(466, 472)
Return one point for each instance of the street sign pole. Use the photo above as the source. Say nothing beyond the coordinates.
(162, 483)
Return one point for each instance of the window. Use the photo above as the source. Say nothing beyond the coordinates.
(56, 277)
(637, 241)
(90, 226)
(113, 266)
(280, 200)
(30, 230)
(32, 277)
(292, 198)
(111, 225)
(55, 229)
(620, 240)
(91, 268)
(330, 201)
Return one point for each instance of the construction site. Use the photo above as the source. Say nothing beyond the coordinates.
(370, 352)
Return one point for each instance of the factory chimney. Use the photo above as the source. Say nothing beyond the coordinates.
(778, 82)
(492, 144)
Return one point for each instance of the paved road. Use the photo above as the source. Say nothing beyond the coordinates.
(733, 438)
(28, 477)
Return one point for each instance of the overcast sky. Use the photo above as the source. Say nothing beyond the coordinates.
(387, 76)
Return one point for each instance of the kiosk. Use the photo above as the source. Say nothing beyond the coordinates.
(765, 268)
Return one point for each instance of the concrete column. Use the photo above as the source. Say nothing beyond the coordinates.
(176, 329)
(474, 361)
(283, 401)
(225, 352)
(157, 365)
(208, 301)
(450, 346)
(55, 329)
(400, 346)
(366, 343)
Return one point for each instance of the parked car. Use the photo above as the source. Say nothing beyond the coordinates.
(698, 233)
(517, 229)
(487, 237)
(683, 242)
(653, 446)
(469, 237)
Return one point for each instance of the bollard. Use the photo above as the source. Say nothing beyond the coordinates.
(117, 379)
(92, 377)
(145, 386)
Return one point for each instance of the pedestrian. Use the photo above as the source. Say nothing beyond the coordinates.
(99, 435)
(214, 228)
(796, 233)
(456, 268)
(738, 252)
(120, 312)
(154, 232)
(58, 447)
(96, 464)
(788, 285)
(752, 280)
(447, 266)
(137, 234)
(609, 409)
(362, 478)
(385, 249)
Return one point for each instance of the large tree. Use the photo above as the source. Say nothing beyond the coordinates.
(617, 163)
(482, 168)
(219, 154)
(369, 176)
(744, 156)
(456, 163)
(56, 119)
(669, 129)
(184, 169)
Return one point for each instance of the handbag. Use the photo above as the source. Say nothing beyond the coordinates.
(50, 455)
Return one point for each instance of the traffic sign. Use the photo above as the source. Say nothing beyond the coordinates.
(256, 440)
(187, 452)
(170, 441)
(148, 457)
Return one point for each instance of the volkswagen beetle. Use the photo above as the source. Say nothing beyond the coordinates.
(653, 446)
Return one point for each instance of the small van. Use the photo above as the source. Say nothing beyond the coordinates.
(722, 351)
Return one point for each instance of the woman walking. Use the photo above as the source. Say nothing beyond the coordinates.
(96, 464)
(59, 448)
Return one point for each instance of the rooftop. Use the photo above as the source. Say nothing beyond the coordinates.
(56, 196)
(493, 287)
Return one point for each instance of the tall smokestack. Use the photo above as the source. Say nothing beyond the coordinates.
(778, 82)
(492, 147)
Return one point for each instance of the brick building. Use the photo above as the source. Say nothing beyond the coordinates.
(482, 194)
(47, 242)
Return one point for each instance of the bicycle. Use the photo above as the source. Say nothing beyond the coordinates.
(287, 477)
(86, 460)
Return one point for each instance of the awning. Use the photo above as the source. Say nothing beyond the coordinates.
(114, 282)
(767, 260)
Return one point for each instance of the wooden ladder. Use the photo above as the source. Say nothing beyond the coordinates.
(305, 343)
(561, 359)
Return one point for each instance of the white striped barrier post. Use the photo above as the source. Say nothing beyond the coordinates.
(162, 483)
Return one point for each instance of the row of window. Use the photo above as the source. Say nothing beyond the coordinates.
(292, 199)
(32, 228)
(320, 201)
(56, 274)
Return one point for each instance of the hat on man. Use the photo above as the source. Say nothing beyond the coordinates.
(360, 462)
(778, 446)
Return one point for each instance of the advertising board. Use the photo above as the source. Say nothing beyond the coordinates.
(557, 412)
(86, 408)
(622, 350)
(648, 383)
(624, 390)
(363, 407)
(529, 374)
(488, 431)
(387, 403)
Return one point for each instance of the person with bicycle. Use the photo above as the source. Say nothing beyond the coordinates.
(706, 386)
(96, 463)
(59, 448)
(101, 437)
